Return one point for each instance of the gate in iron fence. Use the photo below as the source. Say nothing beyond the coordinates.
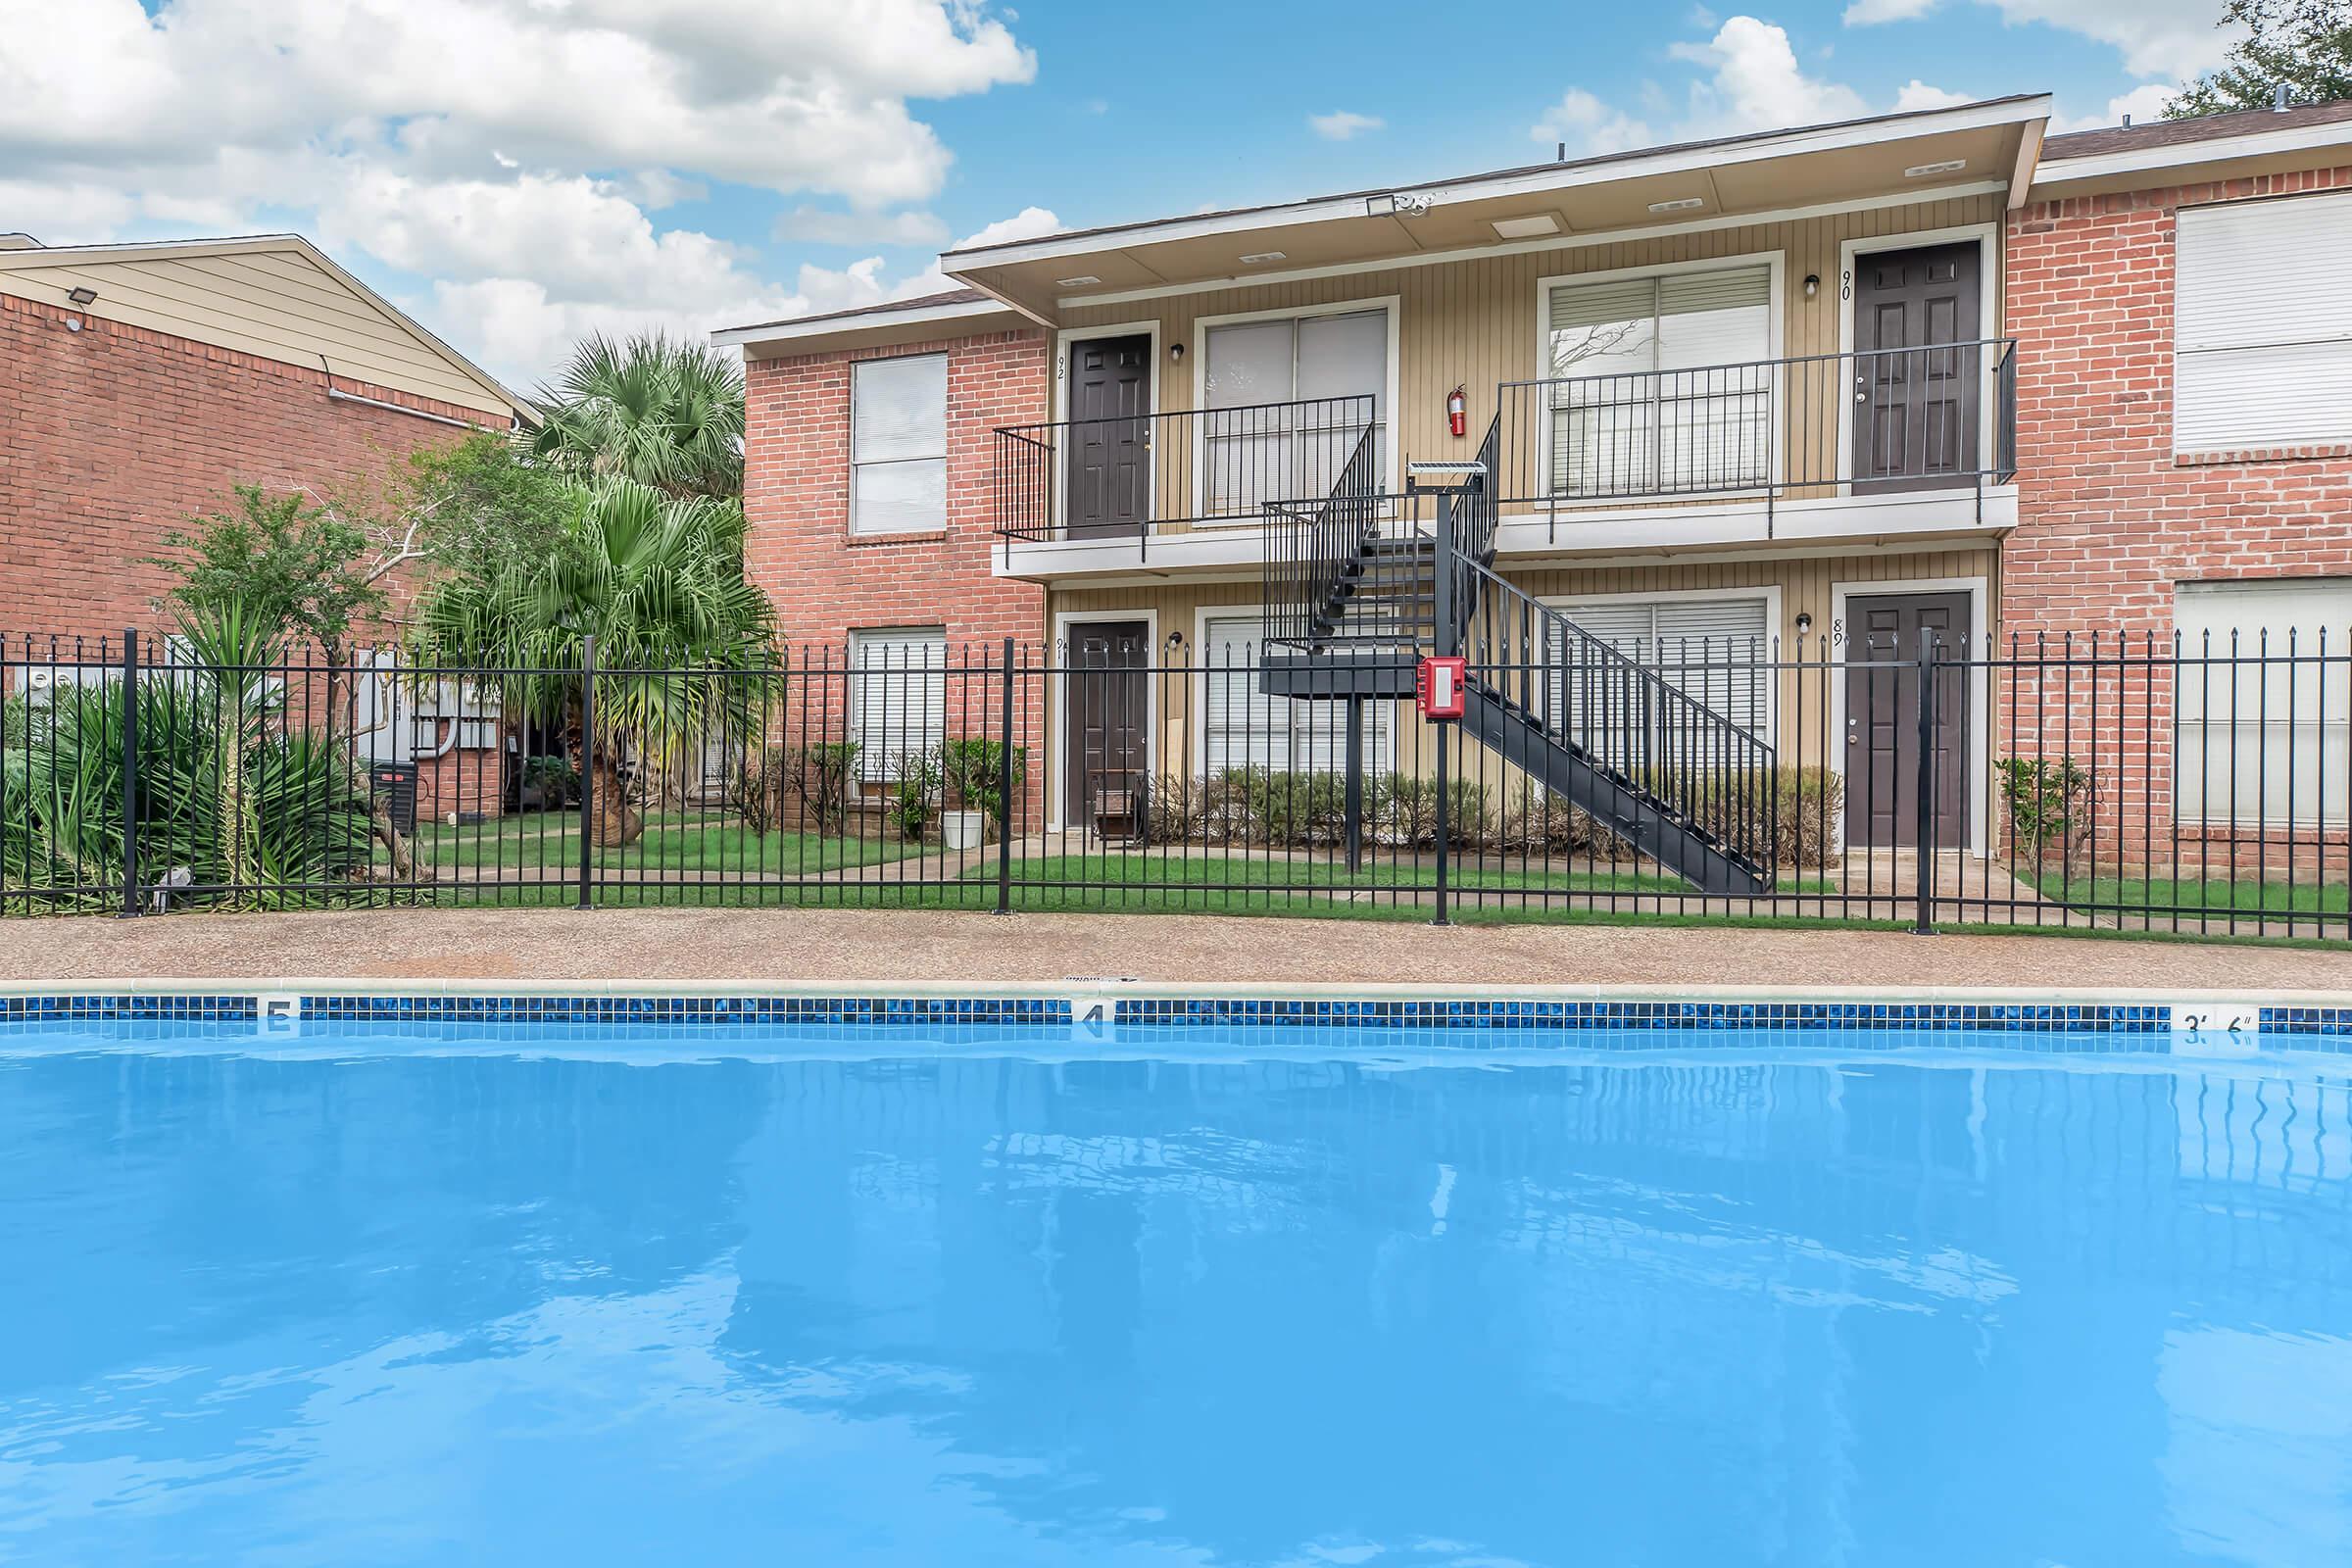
(2084, 783)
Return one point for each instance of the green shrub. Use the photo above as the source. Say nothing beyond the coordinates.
(1405, 812)
(820, 776)
(915, 793)
(2049, 803)
(973, 773)
(1808, 806)
(224, 792)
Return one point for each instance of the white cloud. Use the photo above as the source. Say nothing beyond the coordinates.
(1344, 124)
(507, 154)
(1030, 222)
(2142, 104)
(1750, 80)
(819, 225)
(1870, 13)
(1917, 94)
(1754, 83)
(2171, 38)
(1589, 126)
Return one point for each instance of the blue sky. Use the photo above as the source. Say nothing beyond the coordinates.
(519, 171)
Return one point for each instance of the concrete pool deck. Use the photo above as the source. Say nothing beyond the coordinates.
(934, 947)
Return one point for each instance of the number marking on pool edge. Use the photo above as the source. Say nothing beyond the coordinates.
(2214, 1028)
(277, 1012)
(1091, 1017)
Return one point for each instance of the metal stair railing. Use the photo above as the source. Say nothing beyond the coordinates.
(1696, 767)
(1311, 548)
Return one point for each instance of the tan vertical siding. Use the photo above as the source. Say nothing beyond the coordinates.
(1804, 582)
(1473, 323)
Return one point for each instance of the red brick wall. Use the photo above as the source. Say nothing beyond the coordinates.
(113, 435)
(797, 497)
(825, 584)
(2110, 518)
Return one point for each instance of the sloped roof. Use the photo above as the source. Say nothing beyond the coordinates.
(277, 296)
(2183, 133)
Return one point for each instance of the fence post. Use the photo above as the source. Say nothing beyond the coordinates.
(131, 773)
(1005, 788)
(587, 763)
(1444, 818)
(1923, 921)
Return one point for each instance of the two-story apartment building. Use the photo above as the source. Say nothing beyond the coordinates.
(1823, 390)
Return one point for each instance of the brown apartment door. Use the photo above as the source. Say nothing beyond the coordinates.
(1882, 719)
(1109, 734)
(1915, 407)
(1107, 482)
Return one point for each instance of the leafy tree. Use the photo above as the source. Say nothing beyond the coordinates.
(664, 414)
(275, 562)
(2306, 44)
(471, 508)
(658, 581)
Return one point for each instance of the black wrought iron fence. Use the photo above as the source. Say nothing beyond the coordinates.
(2087, 783)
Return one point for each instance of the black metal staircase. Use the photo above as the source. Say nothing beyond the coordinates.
(1359, 588)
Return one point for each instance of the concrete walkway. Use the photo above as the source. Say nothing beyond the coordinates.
(931, 946)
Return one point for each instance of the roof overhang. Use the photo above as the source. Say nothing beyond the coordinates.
(36, 257)
(868, 329)
(2286, 149)
(1924, 154)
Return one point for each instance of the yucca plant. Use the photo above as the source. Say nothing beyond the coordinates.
(258, 815)
(684, 644)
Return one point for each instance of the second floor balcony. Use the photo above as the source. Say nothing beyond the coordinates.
(1141, 476)
(1860, 442)
(1916, 422)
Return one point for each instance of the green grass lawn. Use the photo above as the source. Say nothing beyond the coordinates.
(2214, 896)
(549, 844)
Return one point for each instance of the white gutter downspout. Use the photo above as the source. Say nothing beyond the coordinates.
(336, 394)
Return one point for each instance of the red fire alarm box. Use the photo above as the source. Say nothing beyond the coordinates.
(1437, 687)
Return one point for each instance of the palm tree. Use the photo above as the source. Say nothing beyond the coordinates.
(660, 411)
(684, 645)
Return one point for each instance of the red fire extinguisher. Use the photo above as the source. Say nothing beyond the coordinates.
(1457, 411)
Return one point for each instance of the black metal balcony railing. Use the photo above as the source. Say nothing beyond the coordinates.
(1146, 474)
(1885, 419)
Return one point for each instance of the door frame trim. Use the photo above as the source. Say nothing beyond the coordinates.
(1977, 765)
(1059, 404)
(1988, 320)
(1058, 697)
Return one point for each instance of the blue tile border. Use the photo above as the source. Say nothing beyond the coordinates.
(361, 1006)
(2319, 1027)
(1909, 1016)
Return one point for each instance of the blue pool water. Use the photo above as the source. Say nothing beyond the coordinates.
(571, 1296)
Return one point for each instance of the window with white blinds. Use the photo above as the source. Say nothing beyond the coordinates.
(1659, 383)
(2262, 323)
(1715, 649)
(2257, 738)
(1244, 727)
(899, 444)
(1289, 399)
(898, 696)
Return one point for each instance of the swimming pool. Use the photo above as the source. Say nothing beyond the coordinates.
(451, 1291)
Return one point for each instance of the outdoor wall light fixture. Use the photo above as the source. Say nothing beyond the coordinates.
(1812, 284)
(83, 296)
(1804, 621)
(1176, 352)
